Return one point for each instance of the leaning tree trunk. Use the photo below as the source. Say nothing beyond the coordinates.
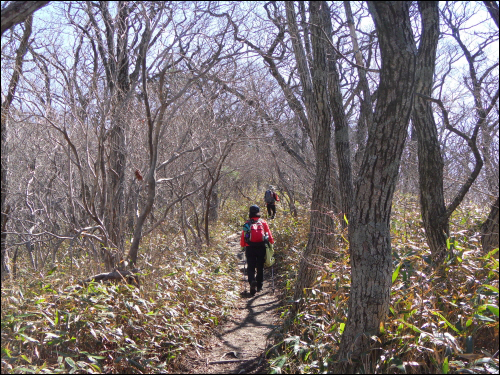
(430, 160)
(369, 228)
(314, 83)
(489, 229)
(17, 12)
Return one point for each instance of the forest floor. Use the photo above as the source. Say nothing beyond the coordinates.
(239, 344)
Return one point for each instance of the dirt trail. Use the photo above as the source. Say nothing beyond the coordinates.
(238, 345)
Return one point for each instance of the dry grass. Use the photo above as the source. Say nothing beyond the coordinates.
(437, 323)
(51, 326)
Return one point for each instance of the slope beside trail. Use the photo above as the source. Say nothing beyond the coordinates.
(238, 345)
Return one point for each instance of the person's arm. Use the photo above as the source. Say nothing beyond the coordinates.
(268, 231)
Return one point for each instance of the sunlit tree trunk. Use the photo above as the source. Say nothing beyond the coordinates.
(315, 86)
(115, 210)
(341, 134)
(430, 160)
(435, 214)
(369, 229)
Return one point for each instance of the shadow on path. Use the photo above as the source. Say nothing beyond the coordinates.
(239, 344)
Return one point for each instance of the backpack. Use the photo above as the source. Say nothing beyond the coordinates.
(254, 231)
(269, 197)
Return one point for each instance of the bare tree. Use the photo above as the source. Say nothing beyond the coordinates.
(6, 105)
(435, 213)
(115, 56)
(199, 63)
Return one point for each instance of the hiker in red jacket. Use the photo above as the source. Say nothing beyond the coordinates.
(271, 197)
(254, 236)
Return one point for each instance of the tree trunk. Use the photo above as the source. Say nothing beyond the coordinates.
(342, 147)
(489, 229)
(314, 84)
(366, 115)
(214, 179)
(490, 165)
(492, 7)
(116, 177)
(431, 195)
(213, 211)
(18, 11)
(151, 194)
(430, 160)
(115, 213)
(5, 208)
(153, 139)
(369, 229)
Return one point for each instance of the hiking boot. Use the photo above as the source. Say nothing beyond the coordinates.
(259, 288)
(253, 287)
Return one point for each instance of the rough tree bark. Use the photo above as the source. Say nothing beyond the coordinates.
(115, 209)
(430, 160)
(314, 82)
(369, 229)
(342, 146)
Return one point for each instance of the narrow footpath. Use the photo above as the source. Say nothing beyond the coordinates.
(239, 344)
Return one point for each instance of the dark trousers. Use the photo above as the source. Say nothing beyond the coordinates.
(271, 210)
(256, 256)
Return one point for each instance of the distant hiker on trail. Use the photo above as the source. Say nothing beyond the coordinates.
(271, 197)
(254, 236)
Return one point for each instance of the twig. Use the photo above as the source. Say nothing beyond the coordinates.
(227, 361)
